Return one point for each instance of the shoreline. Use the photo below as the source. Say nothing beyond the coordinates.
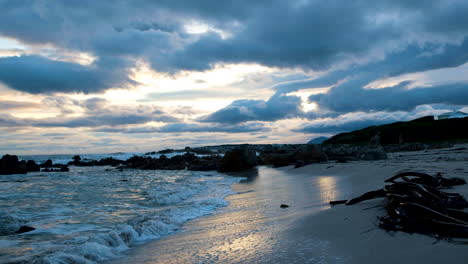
(254, 229)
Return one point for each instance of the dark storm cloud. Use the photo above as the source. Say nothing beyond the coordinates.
(352, 97)
(413, 58)
(276, 108)
(366, 40)
(192, 128)
(35, 74)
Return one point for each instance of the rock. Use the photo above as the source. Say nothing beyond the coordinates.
(238, 159)
(373, 153)
(9, 224)
(24, 229)
(9, 164)
(299, 156)
(76, 159)
(166, 151)
(345, 152)
(32, 166)
(284, 206)
(47, 164)
(56, 168)
(308, 154)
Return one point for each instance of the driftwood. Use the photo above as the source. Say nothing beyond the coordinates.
(416, 203)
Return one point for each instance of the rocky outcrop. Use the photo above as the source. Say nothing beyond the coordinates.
(372, 152)
(77, 161)
(188, 161)
(343, 152)
(238, 159)
(9, 164)
(48, 166)
(300, 156)
(31, 166)
(309, 153)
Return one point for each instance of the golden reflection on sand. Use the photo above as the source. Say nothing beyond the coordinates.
(245, 237)
(327, 188)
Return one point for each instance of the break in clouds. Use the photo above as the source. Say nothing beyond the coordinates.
(332, 54)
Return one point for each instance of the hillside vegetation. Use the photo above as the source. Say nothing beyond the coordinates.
(421, 130)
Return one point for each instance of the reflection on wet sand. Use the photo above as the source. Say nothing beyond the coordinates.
(250, 228)
(327, 188)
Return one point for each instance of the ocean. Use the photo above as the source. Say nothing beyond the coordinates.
(93, 214)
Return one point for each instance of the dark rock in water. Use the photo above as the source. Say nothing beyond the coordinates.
(56, 168)
(166, 151)
(24, 229)
(238, 159)
(188, 161)
(9, 164)
(32, 166)
(284, 206)
(76, 160)
(9, 224)
(47, 164)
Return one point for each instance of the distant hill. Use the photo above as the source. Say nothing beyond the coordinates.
(317, 140)
(421, 130)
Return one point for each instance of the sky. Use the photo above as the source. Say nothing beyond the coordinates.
(110, 76)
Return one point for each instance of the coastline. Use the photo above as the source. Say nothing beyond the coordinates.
(254, 229)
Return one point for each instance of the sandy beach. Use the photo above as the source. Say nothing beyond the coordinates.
(254, 229)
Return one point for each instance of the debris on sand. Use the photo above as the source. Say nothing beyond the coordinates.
(415, 203)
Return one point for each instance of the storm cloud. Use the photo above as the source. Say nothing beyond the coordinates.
(352, 98)
(275, 108)
(305, 34)
(125, 68)
(35, 74)
(192, 128)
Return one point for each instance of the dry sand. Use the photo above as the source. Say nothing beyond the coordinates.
(253, 229)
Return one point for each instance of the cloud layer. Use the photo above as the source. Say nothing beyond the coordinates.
(106, 67)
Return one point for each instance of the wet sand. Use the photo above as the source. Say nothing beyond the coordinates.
(254, 229)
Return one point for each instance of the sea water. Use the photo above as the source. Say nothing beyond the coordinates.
(92, 214)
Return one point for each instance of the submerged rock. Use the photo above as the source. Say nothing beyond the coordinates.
(9, 224)
(24, 229)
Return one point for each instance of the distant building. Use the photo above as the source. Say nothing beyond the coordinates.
(454, 114)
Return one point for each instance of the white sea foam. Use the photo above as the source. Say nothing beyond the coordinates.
(90, 215)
